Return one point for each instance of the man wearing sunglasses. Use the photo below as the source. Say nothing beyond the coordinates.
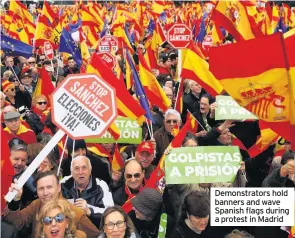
(134, 182)
(164, 136)
(85, 191)
(48, 189)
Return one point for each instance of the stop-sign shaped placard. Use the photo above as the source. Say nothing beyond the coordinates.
(48, 50)
(108, 59)
(108, 43)
(84, 106)
(208, 41)
(179, 36)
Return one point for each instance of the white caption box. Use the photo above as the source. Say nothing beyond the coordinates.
(252, 206)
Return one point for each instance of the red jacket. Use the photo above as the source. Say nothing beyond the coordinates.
(25, 134)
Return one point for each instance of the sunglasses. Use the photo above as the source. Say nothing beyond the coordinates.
(40, 103)
(12, 89)
(169, 121)
(136, 175)
(59, 218)
(32, 62)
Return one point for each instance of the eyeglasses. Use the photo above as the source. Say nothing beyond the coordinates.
(40, 103)
(59, 218)
(33, 62)
(41, 59)
(169, 121)
(111, 225)
(136, 175)
(12, 89)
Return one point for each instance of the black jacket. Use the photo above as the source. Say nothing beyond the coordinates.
(68, 70)
(191, 103)
(34, 122)
(210, 121)
(98, 196)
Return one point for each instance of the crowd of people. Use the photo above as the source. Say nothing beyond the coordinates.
(76, 192)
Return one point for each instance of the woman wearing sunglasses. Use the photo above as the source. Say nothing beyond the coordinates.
(115, 223)
(40, 107)
(57, 220)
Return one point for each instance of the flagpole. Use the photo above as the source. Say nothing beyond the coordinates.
(196, 120)
(62, 155)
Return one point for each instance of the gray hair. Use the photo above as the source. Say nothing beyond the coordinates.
(78, 158)
(19, 147)
(239, 234)
(172, 112)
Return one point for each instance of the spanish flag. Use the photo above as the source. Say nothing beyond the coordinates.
(257, 74)
(117, 162)
(153, 90)
(48, 12)
(127, 106)
(197, 68)
(232, 15)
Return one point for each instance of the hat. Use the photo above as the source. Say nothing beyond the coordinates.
(7, 85)
(25, 70)
(148, 202)
(145, 146)
(79, 144)
(11, 115)
(26, 74)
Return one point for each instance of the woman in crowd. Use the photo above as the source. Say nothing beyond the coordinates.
(116, 223)
(238, 234)
(40, 106)
(57, 220)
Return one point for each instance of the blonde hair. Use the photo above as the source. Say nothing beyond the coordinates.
(64, 206)
(35, 99)
(7, 74)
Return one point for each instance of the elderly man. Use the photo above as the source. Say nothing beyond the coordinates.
(134, 182)
(145, 155)
(90, 194)
(48, 189)
(164, 136)
(15, 129)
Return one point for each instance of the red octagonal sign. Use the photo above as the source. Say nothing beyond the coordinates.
(108, 59)
(179, 36)
(84, 106)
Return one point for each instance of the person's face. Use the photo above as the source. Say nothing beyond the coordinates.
(80, 151)
(81, 172)
(55, 229)
(196, 88)
(18, 160)
(13, 124)
(139, 215)
(48, 189)
(287, 146)
(204, 105)
(14, 81)
(169, 84)
(134, 175)
(115, 225)
(190, 143)
(9, 62)
(11, 92)
(168, 63)
(71, 63)
(41, 58)
(108, 146)
(41, 104)
(27, 81)
(199, 223)
(170, 121)
(168, 91)
(144, 157)
(225, 137)
(31, 62)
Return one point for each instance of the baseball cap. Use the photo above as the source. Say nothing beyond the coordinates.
(11, 115)
(145, 146)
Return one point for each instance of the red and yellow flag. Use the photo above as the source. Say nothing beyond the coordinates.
(117, 162)
(197, 68)
(263, 85)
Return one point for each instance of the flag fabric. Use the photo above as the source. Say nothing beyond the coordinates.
(233, 17)
(6, 169)
(49, 13)
(44, 85)
(126, 104)
(14, 47)
(261, 85)
(191, 123)
(117, 162)
(68, 45)
(99, 150)
(196, 68)
(139, 91)
(153, 90)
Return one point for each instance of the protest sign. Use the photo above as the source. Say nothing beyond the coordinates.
(202, 164)
(84, 106)
(179, 36)
(130, 133)
(228, 108)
